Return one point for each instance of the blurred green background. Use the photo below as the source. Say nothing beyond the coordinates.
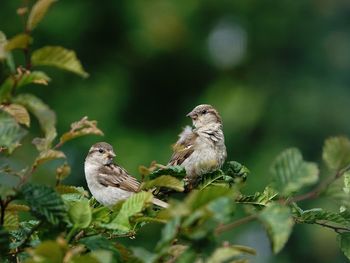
(277, 71)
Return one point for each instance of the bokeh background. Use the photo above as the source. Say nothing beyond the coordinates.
(277, 71)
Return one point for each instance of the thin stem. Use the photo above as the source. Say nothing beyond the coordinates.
(337, 229)
(318, 189)
(223, 228)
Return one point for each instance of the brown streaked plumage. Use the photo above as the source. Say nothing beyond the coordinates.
(200, 149)
(107, 181)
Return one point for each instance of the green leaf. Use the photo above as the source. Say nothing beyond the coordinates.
(59, 57)
(174, 171)
(38, 12)
(48, 251)
(21, 79)
(336, 152)
(169, 232)
(11, 133)
(80, 214)
(318, 215)
(278, 222)
(81, 128)
(20, 235)
(344, 239)
(3, 41)
(18, 112)
(198, 199)
(33, 77)
(229, 252)
(44, 202)
(48, 155)
(164, 181)
(11, 220)
(259, 199)
(20, 41)
(99, 242)
(130, 207)
(236, 170)
(222, 209)
(45, 116)
(69, 189)
(291, 172)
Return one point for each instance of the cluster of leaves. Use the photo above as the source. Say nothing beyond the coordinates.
(61, 223)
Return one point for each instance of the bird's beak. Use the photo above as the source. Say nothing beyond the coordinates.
(192, 115)
(111, 156)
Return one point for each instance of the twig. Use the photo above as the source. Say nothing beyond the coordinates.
(337, 229)
(223, 228)
(319, 189)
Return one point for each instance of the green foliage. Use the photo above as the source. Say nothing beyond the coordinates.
(259, 199)
(164, 181)
(45, 203)
(11, 133)
(80, 214)
(130, 207)
(61, 224)
(58, 57)
(344, 239)
(278, 222)
(336, 152)
(291, 172)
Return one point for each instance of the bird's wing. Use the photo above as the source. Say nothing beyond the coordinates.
(184, 147)
(115, 176)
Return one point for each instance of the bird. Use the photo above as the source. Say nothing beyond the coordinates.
(200, 149)
(108, 182)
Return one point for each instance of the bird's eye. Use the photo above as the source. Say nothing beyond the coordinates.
(204, 111)
(100, 150)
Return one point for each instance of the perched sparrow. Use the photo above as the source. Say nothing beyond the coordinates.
(200, 149)
(108, 182)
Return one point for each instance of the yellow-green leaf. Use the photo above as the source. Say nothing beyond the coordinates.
(81, 128)
(291, 172)
(336, 152)
(11, 133)
(17, 208)
(11, 221)
(344, 239)
(164, 181)
(45, 116)
(80, 214)
(130, 207)
(59, 57)
(48, 155)
(20, 41)
(229, 252)
(38, 12)
(278, 222)
(48, 251)
(18, 112)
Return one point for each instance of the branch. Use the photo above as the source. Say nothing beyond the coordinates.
(319, 189)
(223, 228)
(337, 229)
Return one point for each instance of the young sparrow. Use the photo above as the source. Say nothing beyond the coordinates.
(107, 181)
(200, 149)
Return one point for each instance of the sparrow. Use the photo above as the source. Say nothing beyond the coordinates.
(107, 181)
(201, 149)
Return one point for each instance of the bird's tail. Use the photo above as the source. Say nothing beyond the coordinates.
(160, 203)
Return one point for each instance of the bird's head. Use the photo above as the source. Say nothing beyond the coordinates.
(101, 153)
(203, 115)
